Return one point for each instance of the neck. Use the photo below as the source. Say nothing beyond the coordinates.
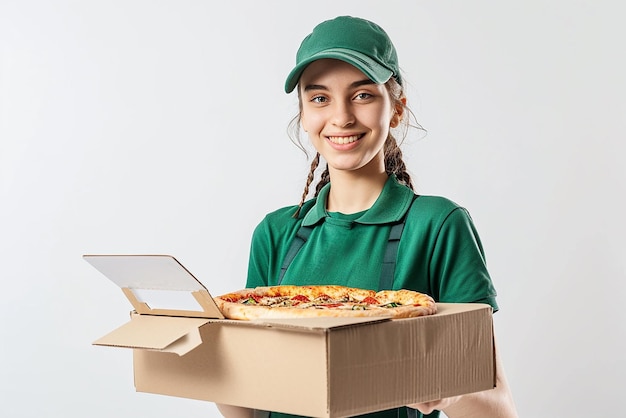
(351, 192)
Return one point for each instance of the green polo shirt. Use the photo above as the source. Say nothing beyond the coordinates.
(439, 252)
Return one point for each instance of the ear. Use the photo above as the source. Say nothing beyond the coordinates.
(398, 112)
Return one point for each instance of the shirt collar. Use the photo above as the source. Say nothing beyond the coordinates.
(393, 202)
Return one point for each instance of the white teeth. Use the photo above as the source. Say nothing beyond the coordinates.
(343, 139)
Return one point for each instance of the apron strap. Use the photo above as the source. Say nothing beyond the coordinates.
(413, 413)
(391, 254)
(258, 413)
(388, 269)
(298, 241)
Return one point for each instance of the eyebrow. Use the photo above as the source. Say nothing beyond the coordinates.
(355, 84)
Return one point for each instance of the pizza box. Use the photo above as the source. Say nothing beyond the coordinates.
(320, 367)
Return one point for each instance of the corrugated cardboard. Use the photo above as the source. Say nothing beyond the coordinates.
(330, 367)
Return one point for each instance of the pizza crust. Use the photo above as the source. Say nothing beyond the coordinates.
(265, 302)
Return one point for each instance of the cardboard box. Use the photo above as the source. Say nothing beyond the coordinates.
(319, 367)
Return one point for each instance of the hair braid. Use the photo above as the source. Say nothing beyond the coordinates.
(324, 180)
(309, 180)
(394, 164)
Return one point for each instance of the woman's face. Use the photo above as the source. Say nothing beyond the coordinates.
(346, 115)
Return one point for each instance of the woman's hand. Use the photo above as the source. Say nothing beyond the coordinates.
(230, 411)
(440, 405)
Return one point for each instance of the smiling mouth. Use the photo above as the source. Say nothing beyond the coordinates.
(342, 140)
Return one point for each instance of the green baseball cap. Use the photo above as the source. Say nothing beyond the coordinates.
(356, 41)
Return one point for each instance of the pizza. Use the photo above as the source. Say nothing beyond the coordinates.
(289, 301)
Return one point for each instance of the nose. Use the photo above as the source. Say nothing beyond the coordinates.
(343, 114)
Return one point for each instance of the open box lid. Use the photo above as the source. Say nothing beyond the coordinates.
(170, 302)
(157, 285)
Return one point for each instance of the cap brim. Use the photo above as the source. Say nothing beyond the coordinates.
(372, 69)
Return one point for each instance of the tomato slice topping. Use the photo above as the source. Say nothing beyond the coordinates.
(300, 298)
(256, 298)
(370, 301)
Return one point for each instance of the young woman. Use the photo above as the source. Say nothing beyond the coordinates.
(365, 226)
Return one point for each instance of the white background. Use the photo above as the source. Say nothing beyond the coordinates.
(160, 127)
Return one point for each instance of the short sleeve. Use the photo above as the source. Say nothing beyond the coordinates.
(458, 267)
